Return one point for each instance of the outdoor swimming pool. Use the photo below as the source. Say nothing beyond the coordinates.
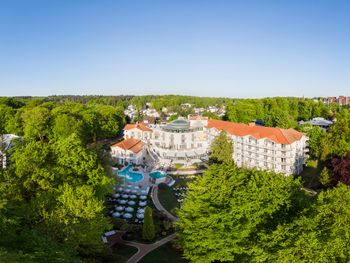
(130, 176)
(157, 174)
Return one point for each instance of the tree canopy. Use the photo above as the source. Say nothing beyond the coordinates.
(229, 208)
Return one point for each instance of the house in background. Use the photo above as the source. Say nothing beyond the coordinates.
(6, 142)
(320, 122)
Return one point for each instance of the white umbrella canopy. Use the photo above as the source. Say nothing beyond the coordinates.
(131, 202)
(137, 187)
(133, 196)
(116, 214)
(134, 191)
(120, 189)
(125, 196)
(129, 209)
(140, 216)
(122, 202)
(127, 215)
(128, 186)
(127, 190)
(143, 203)
(141, 211)
(144, 192)
(116, 195)
(143, 197)
(119, 208)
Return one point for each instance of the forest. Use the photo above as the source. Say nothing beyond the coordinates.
(52, 194)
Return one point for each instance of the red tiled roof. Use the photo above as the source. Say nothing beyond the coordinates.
(131, 144)
(278, 135)
(139, 126)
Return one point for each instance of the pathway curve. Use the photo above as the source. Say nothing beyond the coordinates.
(142, 249)
(159, 206)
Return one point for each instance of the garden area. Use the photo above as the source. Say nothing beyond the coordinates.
(169, 196)
(311, 174)
(164, 254)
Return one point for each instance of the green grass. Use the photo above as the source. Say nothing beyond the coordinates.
(311, 174)
(164, 254)
(121, 253)
(167, 198)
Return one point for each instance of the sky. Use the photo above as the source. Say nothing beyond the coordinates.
(211, 48)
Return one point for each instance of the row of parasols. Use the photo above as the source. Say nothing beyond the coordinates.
(140, 212)
(132, 196)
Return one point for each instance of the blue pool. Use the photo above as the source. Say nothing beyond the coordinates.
(157, 174)
(130, 176)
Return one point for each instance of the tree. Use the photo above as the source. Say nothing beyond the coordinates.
(173, 117)
(320, 234)
(36, 123)
(315, 135)
(325, 177)
(77, 219)
(229, 208)
(221, 149)
(341, 169)
(336, 143)
(148, 230)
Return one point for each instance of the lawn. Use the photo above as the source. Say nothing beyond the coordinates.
(164, 254)
(166, 194)
(167, 198)
(311, 174)
(120, 254)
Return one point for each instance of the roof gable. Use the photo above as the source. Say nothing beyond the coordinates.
(139, 126)
(131, 144)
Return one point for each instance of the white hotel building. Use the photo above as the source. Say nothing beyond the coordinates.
(188, 141)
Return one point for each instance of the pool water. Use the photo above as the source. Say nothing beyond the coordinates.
(130, 176)
(157, 174)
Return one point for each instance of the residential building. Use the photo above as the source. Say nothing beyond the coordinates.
(266, 148)
(6, 142)
(131, 151)
(320, 122)
(137, 131)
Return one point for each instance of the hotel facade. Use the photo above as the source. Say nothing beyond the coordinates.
(188, 141)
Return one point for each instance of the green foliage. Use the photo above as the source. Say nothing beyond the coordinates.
(336, 143)
(173, 117)
(36, 123)
(276, 112)
(77, 219)
(52, 195)
(221, 149)
(315, 135)
(325, 177)
(228, 208)
(148, 229)
(320, 234)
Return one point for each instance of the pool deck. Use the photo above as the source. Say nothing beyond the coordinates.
(143, 182)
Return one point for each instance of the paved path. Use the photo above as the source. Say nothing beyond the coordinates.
(158, 205)
(142, 249)
(186, 172)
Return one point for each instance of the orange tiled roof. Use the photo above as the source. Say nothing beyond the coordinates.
(131, 144)
(278, 135)
(139, 126)
(198, 118)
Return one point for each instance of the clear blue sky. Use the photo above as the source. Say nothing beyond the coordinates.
(205, 48)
